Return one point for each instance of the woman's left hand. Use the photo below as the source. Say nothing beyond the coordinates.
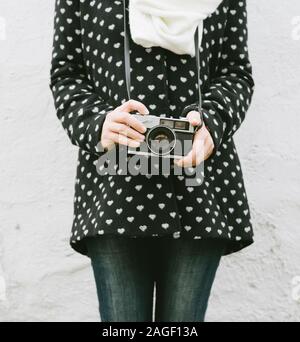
(203, 144)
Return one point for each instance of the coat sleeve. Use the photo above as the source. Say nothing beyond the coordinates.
(230, 91)
(80, 109)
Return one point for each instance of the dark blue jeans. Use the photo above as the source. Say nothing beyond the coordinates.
(126, 270)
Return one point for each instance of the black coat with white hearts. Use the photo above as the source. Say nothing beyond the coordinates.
(88, 81)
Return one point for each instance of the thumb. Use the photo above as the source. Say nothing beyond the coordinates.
(194, 118)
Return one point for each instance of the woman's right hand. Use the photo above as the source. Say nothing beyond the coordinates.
(120, 127)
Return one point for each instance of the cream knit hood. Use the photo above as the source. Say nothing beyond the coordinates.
(170, 24)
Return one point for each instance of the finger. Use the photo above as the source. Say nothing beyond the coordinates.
(195, 156)
(202, 134)
(130, 120)
(133, 105)
(185, 161)
(207, 141)
(208, 148)
(126, 130)
(194, 118)
(123, 140)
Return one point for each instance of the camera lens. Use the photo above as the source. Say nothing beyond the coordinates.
(161, 140)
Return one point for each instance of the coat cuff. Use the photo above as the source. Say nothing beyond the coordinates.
(94, 133)
(212, 122)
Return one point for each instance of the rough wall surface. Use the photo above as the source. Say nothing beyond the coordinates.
(42, 279)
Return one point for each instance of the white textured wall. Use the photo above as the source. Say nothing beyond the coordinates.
(44, 279)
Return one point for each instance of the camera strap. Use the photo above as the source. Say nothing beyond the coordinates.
(127, 60)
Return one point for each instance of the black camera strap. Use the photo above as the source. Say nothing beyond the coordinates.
(127, 61)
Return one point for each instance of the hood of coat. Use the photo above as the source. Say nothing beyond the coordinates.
(170, 24)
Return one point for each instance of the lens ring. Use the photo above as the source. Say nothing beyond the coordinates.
(162, 130)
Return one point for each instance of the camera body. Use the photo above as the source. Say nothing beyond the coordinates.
(165, 137)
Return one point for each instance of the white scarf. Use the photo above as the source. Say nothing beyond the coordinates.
(170, 24)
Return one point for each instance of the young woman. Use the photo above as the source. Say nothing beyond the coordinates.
(145, 232)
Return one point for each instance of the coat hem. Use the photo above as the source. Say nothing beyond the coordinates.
(233, 246)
